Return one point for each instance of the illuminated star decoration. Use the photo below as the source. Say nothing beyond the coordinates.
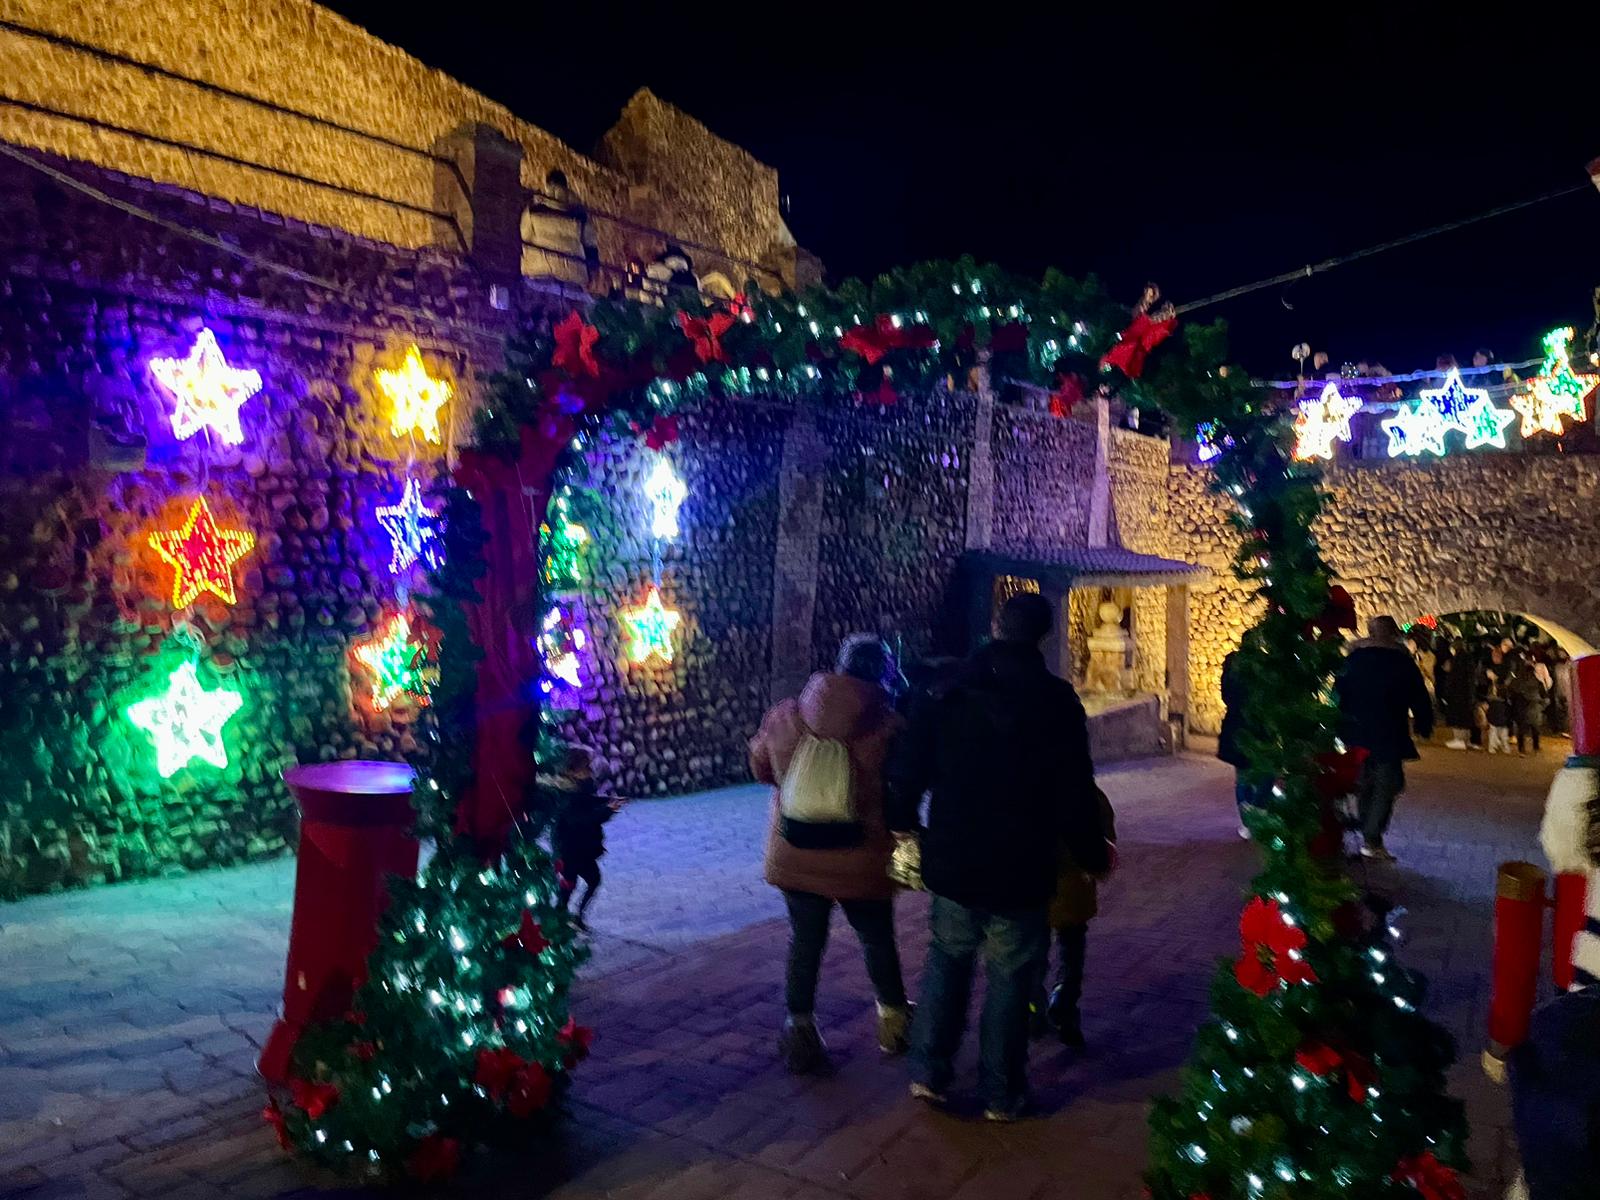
(1558, 391)
(1417, 427)
(1452, 401)
(397, 662)
(415, 397)
(209, 392)
(413, 530)
(1321, 422)
(1207, 448)
(565, 543)
(650, 626)
(1484, 424)
(185, 722)
(202, 555)
(560, 639)
(666, 493)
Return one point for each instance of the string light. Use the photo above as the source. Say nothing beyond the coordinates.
(185, 722)
(415, 397)
(650, 626)
(209, 392)
(666, 493)
(202, 554)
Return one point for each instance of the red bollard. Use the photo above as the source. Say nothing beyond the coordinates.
(1586, 705)
(1571, 893)
(355, 831)
(1518, 936)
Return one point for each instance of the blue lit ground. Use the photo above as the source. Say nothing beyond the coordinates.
(129, 1016)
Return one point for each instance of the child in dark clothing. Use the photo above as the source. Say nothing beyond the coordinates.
(579, 836)
(1499, 714)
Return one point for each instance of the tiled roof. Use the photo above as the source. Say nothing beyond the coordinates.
(1087, 564)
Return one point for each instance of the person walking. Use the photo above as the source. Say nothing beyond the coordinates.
(1005, 754)
(1529, 695)
(1455, 678)
(1379, 689)
(828, 842)
(1244, 793)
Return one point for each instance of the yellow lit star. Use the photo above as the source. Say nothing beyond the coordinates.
(1321, 422)
(209, 392)
(650, 626)
(415, 396)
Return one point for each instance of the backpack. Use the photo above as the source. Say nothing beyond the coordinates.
(816, 810)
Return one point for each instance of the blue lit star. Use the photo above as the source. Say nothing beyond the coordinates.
(413, 530)
(1453, 400)
(1416, 428)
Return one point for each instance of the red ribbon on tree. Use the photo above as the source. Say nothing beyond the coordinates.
(1142, 335)
(314, 1098)
(705, 334)
(1270, 949)
(1430, 1177)
(530, 1091)
(574, 350)
(273, 1115)
(873, 342)
(496, 1069)
(1322, 1060)
(529, 935)
(436, 1157)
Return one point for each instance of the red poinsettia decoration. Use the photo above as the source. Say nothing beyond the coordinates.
(1142, 335)
(1270, 950)
(314, 1098)
(530, 1091)
(273, 1115)
(1432, 1179)
(663, 432)
(576, 1039)
(529, 935)
(436, 1157)
(873, 342)
(1069, 390)
(496, 1069)
(1322, 1060)
(705, 334)
(574, 352)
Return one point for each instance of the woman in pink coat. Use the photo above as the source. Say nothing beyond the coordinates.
(846, 712)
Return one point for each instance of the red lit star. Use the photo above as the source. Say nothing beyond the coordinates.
(202, 554)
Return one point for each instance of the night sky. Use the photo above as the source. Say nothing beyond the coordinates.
(1135, 145)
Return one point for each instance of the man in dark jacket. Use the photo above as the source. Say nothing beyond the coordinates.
(1381, 694)
(1005, 753)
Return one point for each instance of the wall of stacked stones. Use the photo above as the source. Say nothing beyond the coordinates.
(91, 466)
(1043, 478)
(1469, 531)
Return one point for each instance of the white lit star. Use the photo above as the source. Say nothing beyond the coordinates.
(1321, 422)
(209, 392)
(1416, 428)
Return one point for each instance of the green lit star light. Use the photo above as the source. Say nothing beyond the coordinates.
(1484, 424)
(185, 722)
(566, 544)
(399, 665)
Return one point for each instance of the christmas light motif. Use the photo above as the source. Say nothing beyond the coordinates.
(1418, 427)
(1209, 449)
(399, 664)
(1484, 424)
(1452, 401)
(666, 493)
(202, 555)
(650, 627)
(565, 543)
(560, 640)
(185, 722)
(209, 392)
(1557, 392)
(415, 397)
(413, 530)
(1319, 423)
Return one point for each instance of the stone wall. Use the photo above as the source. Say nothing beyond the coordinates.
(91, 467)
(1137, 466)
(303, 59)
(1043, 478)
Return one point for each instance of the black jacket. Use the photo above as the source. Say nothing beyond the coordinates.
(1232, 713)
(1380, 693)
(1006, 755)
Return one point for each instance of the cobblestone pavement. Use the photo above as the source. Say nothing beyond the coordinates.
(130, 1016)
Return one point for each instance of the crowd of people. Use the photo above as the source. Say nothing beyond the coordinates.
(979, 786)
(1488, 690)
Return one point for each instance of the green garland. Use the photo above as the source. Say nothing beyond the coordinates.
(461, 1028)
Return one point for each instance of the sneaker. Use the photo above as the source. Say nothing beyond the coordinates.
(802, 1048)
(1455, 744)
(894, 1028)
(1066, 1020)
(930, 1096)
(1377, 854)
(1244, 833)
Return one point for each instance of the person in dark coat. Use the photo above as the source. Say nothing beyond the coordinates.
(1005, 753)
(579, 838)
(1244, 793)
(1555, 1097)
(1453, 683)
(1381, 696)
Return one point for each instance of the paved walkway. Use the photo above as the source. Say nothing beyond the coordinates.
(130, 1016)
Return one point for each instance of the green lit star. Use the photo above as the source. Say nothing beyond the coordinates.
(650, 626)
(1484, 424)
(398, 664)
(185, 722)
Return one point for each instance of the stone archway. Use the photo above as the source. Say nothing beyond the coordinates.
(1572, 621)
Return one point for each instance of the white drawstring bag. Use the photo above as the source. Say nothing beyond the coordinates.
(815, 806)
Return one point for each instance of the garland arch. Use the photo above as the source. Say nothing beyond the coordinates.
(1318, 1077)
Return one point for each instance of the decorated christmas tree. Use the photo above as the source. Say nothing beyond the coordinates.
(1319, 1076)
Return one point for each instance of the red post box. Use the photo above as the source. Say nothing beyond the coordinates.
(355, 831)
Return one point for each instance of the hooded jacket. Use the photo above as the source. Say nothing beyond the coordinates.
(1380, 694)
(1006, 755)
(856, 713)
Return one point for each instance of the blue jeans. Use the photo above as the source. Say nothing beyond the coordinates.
(1013, 945)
